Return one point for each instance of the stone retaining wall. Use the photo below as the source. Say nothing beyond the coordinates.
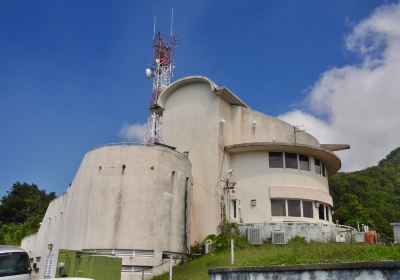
(379, 270)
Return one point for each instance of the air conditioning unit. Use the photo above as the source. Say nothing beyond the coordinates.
(340, 237)
(278, 237)
(254, 236)
(359, 237)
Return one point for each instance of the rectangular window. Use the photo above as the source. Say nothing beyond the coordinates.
(294, 208)
(234, 208)
(304, 162)
(327, 212)
(275, 160)
(317, 166)
(321, 212)
(323, 170)
(307, 209)
(291, 160)
(278, 207)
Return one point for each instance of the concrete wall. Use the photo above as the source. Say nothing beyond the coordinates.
(379, 270)
(255, 180)
(249, 126)
(206, 120)
(123, 197)
(191, 123)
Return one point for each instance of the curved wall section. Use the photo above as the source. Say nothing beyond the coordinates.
(257, 184)
(129, 197)
(251, 126)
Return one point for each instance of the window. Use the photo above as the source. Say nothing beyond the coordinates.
(134, 268)
(294, 209)
(323, 170)
(304, 162)
(307, 209)
(327, 212)
(278, 207)
(321, 212)
(234, 207)
(317, 166)
(275, 160)
(291, 160)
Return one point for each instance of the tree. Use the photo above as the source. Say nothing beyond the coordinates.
(370, 196)
(21, 211)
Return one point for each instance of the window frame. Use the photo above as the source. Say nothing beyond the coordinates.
(311, 207)
(285, 212)
(282, 157)
(300, 161)
(319, 166)
(291, 158)
(299, 205)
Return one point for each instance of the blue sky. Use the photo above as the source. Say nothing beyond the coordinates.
(72, 72)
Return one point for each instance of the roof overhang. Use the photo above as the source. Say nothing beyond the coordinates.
(335, 147)
(223, 92)
(331, 161)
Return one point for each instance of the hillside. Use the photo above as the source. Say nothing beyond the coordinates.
(293, 253)
(370, 196)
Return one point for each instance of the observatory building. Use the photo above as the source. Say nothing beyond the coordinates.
(146, 202)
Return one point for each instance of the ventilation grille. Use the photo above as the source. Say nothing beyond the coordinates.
(135, 268)
(48, 266)
(123, 252)
(278, 237)
(254, 236)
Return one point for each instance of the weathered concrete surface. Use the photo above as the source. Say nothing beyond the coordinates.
(380, 270)
(221, 132)
(123, 197)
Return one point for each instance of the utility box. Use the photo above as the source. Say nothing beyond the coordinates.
(359, 237)
(396, 232)
(73, 263)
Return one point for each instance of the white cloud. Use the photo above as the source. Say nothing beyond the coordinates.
(133, 132)
(360, 104)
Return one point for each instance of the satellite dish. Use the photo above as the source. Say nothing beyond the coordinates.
(149, 73)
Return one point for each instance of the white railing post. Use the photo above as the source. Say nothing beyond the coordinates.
(170, 267)
(232, 252)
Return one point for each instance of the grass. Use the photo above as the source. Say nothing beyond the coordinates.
(296, 253)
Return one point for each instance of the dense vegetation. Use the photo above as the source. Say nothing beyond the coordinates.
(21, 211)
(293, 253)
(370, 196)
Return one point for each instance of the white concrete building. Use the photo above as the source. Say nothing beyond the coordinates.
(143, 202)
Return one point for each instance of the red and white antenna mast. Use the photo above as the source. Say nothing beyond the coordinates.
(161, 71)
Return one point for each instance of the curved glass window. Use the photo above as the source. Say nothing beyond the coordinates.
(296, 161)
(308, 209)
(318, 166)
(275, 159)
(278, 207)
(321, 212)
(294, 209)
(304, 162)
(291, 160)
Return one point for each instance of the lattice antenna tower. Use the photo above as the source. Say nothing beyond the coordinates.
(161, 72)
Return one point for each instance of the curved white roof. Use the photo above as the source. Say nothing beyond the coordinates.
(224, 92)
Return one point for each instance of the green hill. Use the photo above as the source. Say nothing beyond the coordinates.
(370, 196)
(293, 253)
